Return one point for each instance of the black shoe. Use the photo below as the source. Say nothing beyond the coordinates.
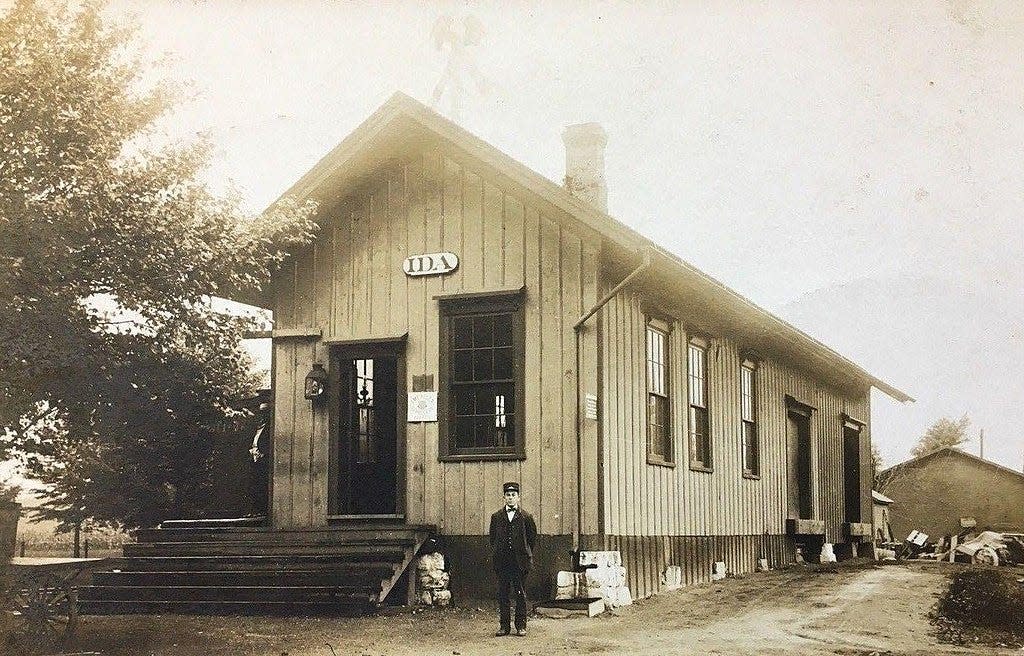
(520, 632)
(502, 632)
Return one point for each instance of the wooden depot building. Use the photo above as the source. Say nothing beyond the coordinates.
(461, 321)
(481, 324)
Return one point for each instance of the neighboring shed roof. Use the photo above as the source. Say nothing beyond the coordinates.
(915, 462)
(878, 497)
(402, 121)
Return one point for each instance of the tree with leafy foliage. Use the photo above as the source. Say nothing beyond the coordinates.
(943, 433)
(115, 369)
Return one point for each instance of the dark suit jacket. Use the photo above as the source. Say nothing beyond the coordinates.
(523, 531)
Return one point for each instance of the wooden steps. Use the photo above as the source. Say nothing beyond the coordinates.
(104, 607)
(221, 568)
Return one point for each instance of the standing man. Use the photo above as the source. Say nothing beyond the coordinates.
(513, 534)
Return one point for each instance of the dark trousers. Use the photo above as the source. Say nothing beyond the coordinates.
(511, 581)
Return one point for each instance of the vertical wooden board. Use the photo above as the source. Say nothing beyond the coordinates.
(607, 414)
(302, 505)
(472, 497)
(650, 564)
(491, 238)
(629, 481)
(489, 493)
(781, 476)
(380, 252)
(637, 437)
(454, 491)
(334, 313)
(489, 261)
(551, 377)
(534, 407)
(300, 281)
(323, 300)
(693, 549)
(434, 493)
(588, 382)
(319, 477)
(616, 372)
(476, 261)
(632, 570)
(679, 406)
(284, 295)
(718, 437)
(323, 276)
(512, 218)
(284, 377)
(398, 213)
(415, 469)
(349, 268)
(453, 237)
(623, 471)
(740, 497)
(420, 468)
(360, 281)
(571, 305)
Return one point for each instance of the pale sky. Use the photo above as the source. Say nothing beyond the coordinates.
(796, 151)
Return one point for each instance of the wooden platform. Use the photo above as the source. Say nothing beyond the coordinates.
(225, 568)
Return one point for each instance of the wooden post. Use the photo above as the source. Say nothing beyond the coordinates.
(78, 541)
(86, 552)
(22, 548)
(952, 547)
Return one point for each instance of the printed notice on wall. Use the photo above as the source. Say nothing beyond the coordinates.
(422, 406)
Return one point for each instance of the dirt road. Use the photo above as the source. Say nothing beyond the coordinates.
(796, 612)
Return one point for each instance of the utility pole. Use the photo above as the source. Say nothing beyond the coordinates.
(981, 443)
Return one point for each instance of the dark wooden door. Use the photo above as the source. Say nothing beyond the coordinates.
(367, 431)
(851, 472)
(801, 472)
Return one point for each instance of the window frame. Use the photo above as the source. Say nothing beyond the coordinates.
(704, 346)
(752, 366)
(663, 328)
(469, 305)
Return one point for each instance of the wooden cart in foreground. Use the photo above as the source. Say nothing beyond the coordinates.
(39, 596)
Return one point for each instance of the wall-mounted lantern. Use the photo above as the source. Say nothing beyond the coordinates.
(316, 382)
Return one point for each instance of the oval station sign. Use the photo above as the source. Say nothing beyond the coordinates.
(430, 264)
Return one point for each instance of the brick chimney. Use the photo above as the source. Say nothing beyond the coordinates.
(584, 163)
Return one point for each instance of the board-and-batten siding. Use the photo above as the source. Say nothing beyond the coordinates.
(350, 285)
(642, 499)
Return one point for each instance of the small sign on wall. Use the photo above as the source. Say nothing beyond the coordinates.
(590, 406)
(422, 406)
(430, 264)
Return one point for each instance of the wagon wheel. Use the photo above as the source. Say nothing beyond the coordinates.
(46, 613)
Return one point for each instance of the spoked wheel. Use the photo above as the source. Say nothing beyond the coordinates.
(44, 617)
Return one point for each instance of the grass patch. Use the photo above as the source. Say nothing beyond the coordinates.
(981, 605)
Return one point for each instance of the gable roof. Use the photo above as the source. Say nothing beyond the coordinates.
(949, 450)
(401, 122)
(878, 497)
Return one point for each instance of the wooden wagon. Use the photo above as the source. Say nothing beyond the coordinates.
(39, 598)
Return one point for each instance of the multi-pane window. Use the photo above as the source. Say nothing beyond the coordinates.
(659, 433)
(366, 444)
(700, 434)
(483, 385)
(748, 417)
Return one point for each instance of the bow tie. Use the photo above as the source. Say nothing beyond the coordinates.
(509, 509)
